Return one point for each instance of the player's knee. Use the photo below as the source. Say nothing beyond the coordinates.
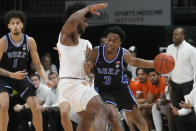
(114, 119)
(101, 109)
(4, 107)
(64, 113)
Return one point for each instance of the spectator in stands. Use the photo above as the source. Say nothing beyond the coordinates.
(142, 87)
(162, 106)
(47, 64)
(132, 84)
(24, 113)
(188, 107)
(183, 73)
(156, 91)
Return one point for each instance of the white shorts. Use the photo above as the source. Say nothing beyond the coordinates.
(77, 92)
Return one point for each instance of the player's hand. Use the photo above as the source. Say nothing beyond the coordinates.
(174, 110)
(55, 48)
(87, 67)
(182, 104)
(49, 84)
(18, 107)
(158, 105)
(93, 8)
(19, 75)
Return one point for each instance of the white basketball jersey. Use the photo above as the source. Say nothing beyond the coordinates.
(72, 59)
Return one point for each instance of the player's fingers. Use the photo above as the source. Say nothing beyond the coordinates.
(96, 13)
(55, 48)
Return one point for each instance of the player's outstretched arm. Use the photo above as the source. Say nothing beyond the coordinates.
(70, 26)
(137, 62)
(36, 61)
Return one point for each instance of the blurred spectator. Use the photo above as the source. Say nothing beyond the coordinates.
(162, 106)
(132, 69)
(23, 112)
(132, 84)
(156, 91)
(142, 87)
(47, 64)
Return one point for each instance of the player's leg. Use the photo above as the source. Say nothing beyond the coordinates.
(137, 118)
(85, 121)
(64, 111)
(114, 118)
(130, 123)
(4, 106)
(36, 113)
(98, 108)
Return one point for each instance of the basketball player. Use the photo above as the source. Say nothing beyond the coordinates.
(15, 47)
(107, 64)
(72, 85)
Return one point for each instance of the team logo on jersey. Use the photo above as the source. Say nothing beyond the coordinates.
(24, 47)
(117, 64)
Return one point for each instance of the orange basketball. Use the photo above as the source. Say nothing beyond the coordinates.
(164, 63)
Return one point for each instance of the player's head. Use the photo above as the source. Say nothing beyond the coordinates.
(15, 21)
(178, 35)
(154, 76)
(35, 78)
(72, 9)
(142, 74)
(53, 76)
(115, 36)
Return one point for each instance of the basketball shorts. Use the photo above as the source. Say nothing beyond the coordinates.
(24, 87)
(122, 99)
(77, 92)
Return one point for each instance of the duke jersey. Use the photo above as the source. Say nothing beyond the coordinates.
(15, 57)
(109, 74)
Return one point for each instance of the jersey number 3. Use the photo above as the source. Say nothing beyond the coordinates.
(107, 80)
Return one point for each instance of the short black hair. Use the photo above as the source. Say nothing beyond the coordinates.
(73, 8)
(153, 70)
(15, 14)
(183, 31)
(32, 75)
(145, 70)
(117, 30)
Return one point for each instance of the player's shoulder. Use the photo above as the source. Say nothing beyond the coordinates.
(3, 39)
(30, 39)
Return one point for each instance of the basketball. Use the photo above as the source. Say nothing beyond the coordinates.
(164, 63)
